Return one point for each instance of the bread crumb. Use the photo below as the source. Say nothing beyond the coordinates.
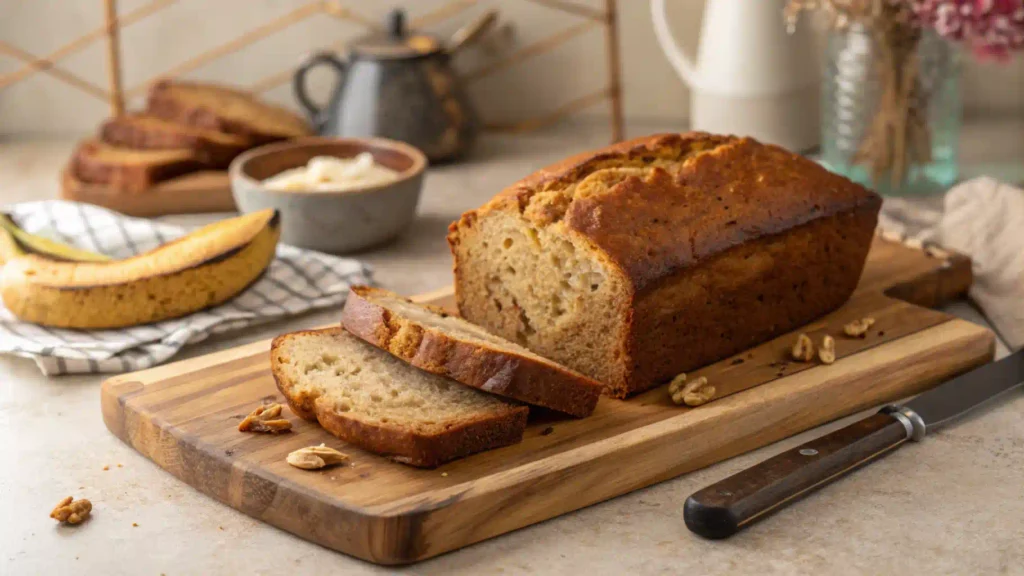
(106, 467)
(444, 474)
(71, 511)
(803, 348)
(119, 466)
(134, 525)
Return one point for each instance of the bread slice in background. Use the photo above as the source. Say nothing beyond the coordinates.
(148, 132)
(374, 400)
(129, 170)
(224, 109)
(431, 339)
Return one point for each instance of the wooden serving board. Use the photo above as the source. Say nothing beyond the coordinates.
(195, 193)
(184, 415)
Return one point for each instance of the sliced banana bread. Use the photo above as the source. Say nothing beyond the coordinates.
(224, 109)
(655, 256)
(128, 170)
(431, 339)
(370, 398)
(147, 132)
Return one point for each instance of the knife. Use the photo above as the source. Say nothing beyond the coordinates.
(724, 508)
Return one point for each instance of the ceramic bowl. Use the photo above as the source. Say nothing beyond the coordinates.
(332, 221)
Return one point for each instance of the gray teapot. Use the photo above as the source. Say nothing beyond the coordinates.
(398, 86)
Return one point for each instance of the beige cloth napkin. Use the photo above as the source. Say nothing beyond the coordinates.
(984, 219)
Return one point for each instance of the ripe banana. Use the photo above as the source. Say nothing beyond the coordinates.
(204, 268)
(15, 242)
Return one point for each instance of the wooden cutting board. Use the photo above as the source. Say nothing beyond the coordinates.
(195, 193)
(183, 416)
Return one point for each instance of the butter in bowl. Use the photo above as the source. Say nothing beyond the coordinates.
(334, 195)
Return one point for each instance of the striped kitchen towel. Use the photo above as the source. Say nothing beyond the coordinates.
(297, 281)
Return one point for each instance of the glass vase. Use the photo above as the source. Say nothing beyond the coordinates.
(855, 93)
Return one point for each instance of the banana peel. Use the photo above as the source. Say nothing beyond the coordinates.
(202, 269)
(16, 242)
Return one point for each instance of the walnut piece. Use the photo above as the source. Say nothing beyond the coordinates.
(266, 419)
(698, 392)
(692, 393)
(803, 348)
(316, 457)
(827, 352)
(71, 511)
(858, 328)
(675, 388)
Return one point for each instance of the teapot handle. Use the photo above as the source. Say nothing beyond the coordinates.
(682, 62)
(318, 114)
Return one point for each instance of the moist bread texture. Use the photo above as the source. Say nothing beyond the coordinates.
(147, 132)
(433, 340)
(374, 400)
(224, 109)
(658, 255)
(129, 170)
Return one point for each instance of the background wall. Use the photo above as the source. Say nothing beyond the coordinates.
(41, 104)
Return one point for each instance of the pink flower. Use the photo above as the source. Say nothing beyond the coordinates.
(990, 28)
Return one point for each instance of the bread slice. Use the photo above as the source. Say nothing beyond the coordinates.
(147, 132)
(433, 340)
(224, 109)
(368, 397)
(129, 170)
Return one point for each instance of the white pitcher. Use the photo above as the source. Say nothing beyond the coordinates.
(751, 77)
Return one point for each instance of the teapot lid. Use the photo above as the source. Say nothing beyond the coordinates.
(396, 43)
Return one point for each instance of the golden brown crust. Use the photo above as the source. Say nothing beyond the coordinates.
(128, 176)
(138, 131)
(400, 444)
(501, 372)
(724, 191)
(163, 102)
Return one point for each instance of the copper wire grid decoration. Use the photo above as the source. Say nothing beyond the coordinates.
(115, 94)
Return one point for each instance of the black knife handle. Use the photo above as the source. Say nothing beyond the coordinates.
(724, 508)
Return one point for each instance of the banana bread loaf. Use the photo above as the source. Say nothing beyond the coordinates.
(661, 254)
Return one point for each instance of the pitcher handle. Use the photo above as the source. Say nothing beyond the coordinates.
(682, 62)
(317, 113)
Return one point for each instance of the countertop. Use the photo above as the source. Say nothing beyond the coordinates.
(951, 504)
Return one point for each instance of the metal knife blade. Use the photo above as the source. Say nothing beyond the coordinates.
(961, 394)
(722, 509)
